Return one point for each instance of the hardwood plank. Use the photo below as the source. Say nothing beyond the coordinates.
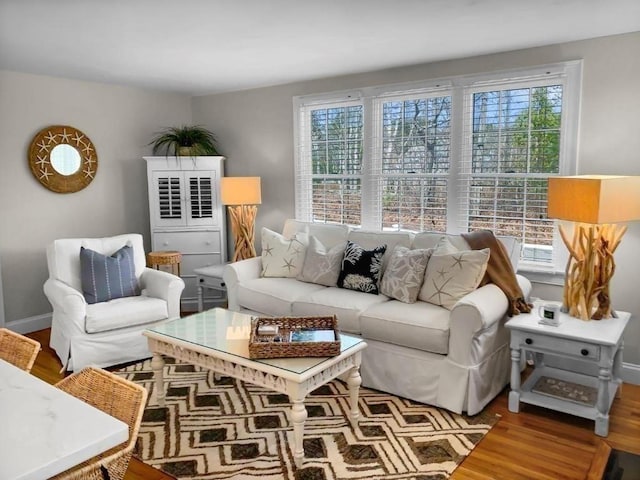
(535, 444)
(599, 464)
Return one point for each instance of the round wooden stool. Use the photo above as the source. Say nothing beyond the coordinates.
(168, 257)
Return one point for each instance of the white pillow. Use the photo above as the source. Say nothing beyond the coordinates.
(404, 274)
(451, 276)
(320, 266)
(282, 257)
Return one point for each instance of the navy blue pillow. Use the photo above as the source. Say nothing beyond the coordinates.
(361, 269)
(105, 278)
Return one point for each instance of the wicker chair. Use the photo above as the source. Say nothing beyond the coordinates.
(18, 350)
(119, 398)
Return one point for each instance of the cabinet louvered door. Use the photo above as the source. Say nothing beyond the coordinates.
(169, 199)
(201, 201)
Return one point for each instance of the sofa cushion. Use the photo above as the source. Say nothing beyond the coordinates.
(371, 240)
(124, 312)
(329, 235)
(430, 240)
(282, 257)
(107, 277)
(63, 257)
(345, 304)
(322, 266)
(404, 274)
(273, 296)
(452, 276)
(417, 325)
(361, 269)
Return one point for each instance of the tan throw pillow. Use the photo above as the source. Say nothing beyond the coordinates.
(282, 257)
(320, 266)
(404, 274)
(451, 276)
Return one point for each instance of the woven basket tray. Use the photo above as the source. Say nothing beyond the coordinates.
(280, 346)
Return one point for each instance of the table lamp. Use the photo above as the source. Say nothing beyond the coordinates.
(597, 203)
(242, 195)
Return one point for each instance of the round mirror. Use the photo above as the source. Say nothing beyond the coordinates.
(63, 159)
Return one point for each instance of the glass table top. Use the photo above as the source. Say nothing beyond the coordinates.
(228, 332)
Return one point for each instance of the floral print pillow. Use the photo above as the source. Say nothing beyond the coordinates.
(361, 269)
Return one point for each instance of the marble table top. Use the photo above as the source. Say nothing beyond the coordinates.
(45, 431)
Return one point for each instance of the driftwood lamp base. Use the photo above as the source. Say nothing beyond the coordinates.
(243, 220)
(590, 268)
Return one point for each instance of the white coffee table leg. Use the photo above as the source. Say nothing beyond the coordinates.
(157, 364)
(298, 417)
(354, 381)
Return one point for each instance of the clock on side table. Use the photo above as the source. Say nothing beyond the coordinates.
(591, 354)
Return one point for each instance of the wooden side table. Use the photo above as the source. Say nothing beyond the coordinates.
(592, 366)
(169, 257)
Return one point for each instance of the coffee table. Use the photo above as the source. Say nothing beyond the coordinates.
(218, 339)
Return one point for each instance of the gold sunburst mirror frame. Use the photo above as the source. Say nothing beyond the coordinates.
(63, 159)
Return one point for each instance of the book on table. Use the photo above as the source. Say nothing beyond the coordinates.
(312, 335)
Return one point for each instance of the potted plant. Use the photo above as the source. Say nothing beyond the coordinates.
(185, 141)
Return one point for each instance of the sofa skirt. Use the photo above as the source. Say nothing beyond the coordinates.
(432, 378)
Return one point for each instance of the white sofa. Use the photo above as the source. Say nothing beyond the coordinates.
(105, 333)
(457, 359)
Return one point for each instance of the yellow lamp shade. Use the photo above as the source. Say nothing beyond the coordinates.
(240, 191)
(594, 199)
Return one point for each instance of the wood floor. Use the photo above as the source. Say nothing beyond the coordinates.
(534, 444)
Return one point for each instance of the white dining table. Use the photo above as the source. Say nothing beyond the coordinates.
(45, 431)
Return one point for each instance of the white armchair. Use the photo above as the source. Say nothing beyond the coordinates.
(105, 333)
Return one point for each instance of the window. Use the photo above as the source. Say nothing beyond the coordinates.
(457, 155)
(414, 155)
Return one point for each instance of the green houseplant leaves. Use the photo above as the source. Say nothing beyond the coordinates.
(185, 141)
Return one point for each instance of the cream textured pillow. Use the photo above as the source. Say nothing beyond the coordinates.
(320, 266)
(282, 257)
(451, 276)
(405, 273)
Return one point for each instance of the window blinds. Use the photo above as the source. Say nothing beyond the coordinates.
(329, 177)
(512, 146)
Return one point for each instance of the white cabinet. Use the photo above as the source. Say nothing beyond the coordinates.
(186, 214)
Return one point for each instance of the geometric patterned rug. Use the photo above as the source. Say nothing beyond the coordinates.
(227, 429)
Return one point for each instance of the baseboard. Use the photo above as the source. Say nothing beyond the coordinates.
(30, 324)
(631, 373)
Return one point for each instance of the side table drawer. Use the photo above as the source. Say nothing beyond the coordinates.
(560, 346)
(212, 282)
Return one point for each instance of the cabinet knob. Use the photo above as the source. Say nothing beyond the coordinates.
(528, 341)
(165, 243)
(584, 352)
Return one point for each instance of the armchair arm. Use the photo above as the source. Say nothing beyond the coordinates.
(473, 333)
(236, 273)
(68, 301)
(164, 285)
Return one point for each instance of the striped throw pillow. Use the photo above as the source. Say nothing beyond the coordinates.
(105, 277)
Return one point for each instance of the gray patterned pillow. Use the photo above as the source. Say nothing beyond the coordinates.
(404, 274)
(107, 277)
(450, 277)
(320, 266)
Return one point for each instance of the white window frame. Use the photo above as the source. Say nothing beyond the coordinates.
(568, 74)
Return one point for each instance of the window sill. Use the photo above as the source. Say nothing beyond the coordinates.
(538, 275)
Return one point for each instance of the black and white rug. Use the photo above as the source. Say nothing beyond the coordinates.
(229, 429)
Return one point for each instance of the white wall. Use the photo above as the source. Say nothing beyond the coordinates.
(255, 130)
(120, 122)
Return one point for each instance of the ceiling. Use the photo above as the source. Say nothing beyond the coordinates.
(208, 46)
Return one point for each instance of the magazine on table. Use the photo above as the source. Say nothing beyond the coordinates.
(310, 335)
